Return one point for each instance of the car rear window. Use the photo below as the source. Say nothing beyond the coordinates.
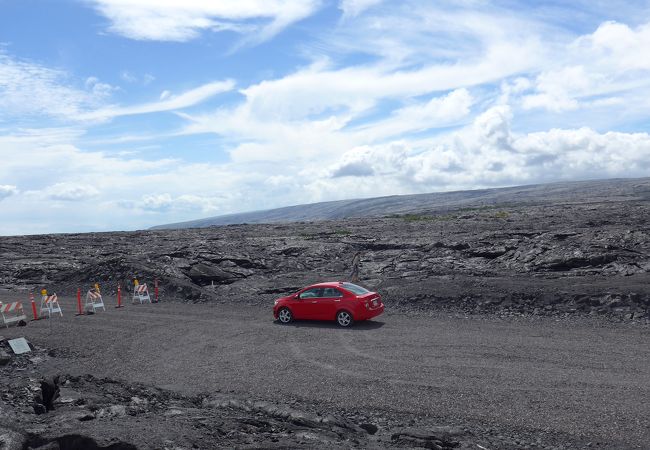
(358, 290)
(332, 293)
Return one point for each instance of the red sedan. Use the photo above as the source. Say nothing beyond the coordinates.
(340, 301)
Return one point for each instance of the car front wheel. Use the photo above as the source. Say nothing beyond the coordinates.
(344, 318)
(285, 316)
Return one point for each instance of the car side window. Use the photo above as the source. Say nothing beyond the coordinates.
(311, 293)
(332, 293)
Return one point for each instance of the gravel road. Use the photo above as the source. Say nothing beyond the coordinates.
(573, 382)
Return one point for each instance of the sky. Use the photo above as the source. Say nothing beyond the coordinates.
(121, 115)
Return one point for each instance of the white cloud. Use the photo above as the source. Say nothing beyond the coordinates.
(31, 89)
(488, 153)
(158, 202)
(436, 113)
(7, 190)
(128, 76)
(108, 192)
(317, 89)
(352, 8)
(147, 78)
(167, 102)
(616, 46)
(611, 61)
(118, 192)
(304, 114)
(28, 89)
(366, 161)
(184, 20)
(186, 203)
(68, 191)
(98, 89)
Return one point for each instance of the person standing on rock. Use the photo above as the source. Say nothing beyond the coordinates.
(354, 274)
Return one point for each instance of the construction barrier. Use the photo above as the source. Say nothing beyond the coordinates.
(50, 304)
(94, 300)
(141, 293)
(12, 313)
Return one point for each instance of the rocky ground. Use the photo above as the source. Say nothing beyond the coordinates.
(111, 411)
(582, 258)
(576, 261)
(178, 376)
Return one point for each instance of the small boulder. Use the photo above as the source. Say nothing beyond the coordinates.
(12, 440)
(369, 427)
(5, 358)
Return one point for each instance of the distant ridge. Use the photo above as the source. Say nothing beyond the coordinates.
(553, 193)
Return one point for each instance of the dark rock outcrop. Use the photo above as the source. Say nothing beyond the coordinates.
(521, 258)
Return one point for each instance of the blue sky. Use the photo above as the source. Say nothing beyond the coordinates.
(120, 115)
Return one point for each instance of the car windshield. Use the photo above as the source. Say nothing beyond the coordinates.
(355, 289)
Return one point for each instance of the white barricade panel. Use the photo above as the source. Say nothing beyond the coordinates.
(50, 305)
(141, 294)
(12, 313)
(94, 300)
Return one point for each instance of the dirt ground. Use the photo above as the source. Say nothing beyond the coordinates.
(534, 382)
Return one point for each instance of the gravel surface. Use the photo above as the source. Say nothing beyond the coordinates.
(509, 382)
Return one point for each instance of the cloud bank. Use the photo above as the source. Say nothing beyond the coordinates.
(363, 98)
(181, 21)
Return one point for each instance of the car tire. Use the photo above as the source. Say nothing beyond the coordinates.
(344, 319)
(285, 316)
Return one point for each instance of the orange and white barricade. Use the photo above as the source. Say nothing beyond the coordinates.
(94, 300)
(12, 312)
(50, 305)
(141, 293)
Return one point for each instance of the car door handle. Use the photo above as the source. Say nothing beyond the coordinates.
(314, 301)
(337, 300)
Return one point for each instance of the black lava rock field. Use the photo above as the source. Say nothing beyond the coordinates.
(507, 325)
(582, 256)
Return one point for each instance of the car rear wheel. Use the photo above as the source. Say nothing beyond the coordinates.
(344, 318)
(285, 316)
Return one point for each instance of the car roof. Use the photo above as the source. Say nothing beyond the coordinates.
(328, 284)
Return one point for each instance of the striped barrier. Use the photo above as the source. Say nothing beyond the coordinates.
(50, 305)
(94, 300)
(12, 312)
(141, 293)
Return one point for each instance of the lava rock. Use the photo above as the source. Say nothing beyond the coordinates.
(5, 358)
(369, 427)
(12, 440)
(50, 391)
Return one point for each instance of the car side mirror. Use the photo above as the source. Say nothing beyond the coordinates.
(296, 296)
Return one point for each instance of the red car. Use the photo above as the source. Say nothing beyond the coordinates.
(338, 300)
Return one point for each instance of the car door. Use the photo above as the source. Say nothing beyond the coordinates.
(306, 305)
(329, 303)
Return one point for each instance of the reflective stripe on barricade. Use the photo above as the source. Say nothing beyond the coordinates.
(141, 293)
(94, 300)
(50, 304)
(12, 312)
